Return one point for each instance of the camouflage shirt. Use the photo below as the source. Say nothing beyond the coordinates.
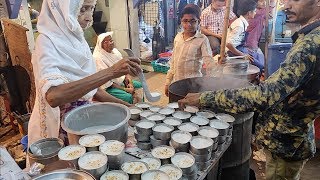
(288, 101)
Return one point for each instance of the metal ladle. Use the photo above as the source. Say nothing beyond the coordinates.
(153, 96)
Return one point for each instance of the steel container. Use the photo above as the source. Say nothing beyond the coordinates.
(108, 119)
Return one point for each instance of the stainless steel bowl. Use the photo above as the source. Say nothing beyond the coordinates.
(162, 134)
(92, 141)
(164, 153)
(115, 174)
(155, 142)
(182, 115)
(199, 149)
(177, 141)
(202, 166)
(185, 161)
(94, 162)
(155, 175)
(135, 113)
(153, 163)
(115, 152)
(166, 111)
(144, 114)
(201, 158)
(175, 122)
(155, 109)
(108, 119)
(221, 126)
(143, 105)
(189, 127)
(209, 132)
(206, 113)
(45, 151)
(141, 137)
(144, 145)
(156, 117)
(174, 172)
(134, 175)
(72, 153)
(66, 174)
(144, 127)
(199, 120)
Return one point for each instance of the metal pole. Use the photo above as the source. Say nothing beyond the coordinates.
(266, 38)
(225, 32)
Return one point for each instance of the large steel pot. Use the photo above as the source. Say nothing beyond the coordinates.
(179, 89)
(108, 119)
(66, 174)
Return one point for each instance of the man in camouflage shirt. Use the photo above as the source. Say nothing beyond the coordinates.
(289, 100)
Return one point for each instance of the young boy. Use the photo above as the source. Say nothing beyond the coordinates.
(191, 48)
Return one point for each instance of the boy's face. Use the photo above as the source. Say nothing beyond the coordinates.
(85, 18)
(190, 23)
(218, 4)
(261, 4)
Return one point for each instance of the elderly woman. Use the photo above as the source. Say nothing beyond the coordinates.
(105, 56)
(64, 70)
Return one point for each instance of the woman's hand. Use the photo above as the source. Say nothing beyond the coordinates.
(129, 90)
(126, 66)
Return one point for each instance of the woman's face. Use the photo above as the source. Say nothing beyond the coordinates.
(252, 13)
(107, 44)
(86, 11)
(190, 23)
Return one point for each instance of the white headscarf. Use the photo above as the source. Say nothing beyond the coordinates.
(61, 55)
(105, 59)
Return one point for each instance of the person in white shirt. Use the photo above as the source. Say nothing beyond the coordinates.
(237, 30)
(191, 49)
(64, 70)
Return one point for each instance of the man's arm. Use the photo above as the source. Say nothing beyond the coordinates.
(207, 32)
(294, 71)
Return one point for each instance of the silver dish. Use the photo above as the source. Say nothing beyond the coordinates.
(174, 172)
(144, 145)
(185, 161)
(45, 151)
(162, 134)
(154, 175)
(94, 162)
(135, 113)
(144, 127)
(164, 153)
(201, 158)
(206, 113)
(166, 111)
(155, 142)
(209, 132)
(201, 145)
(132, 171)
(182, 115)
(108, 119)
(155, 109)
(199, 120)
(144, 114)
(189, 127)
(221, 126)
(173, 105)
(92, 141)
(115, 174)
(153, 163)
(66, 174)
(143, 105)
(115, 152)
(72, 153)
(175, 122)
(156, 117)
(180, 141)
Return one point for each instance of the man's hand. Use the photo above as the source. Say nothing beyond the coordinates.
(126, 66)
(192, 99)
(219, 36)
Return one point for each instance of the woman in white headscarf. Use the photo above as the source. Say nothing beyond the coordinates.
(64, 70)
(106, 55)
